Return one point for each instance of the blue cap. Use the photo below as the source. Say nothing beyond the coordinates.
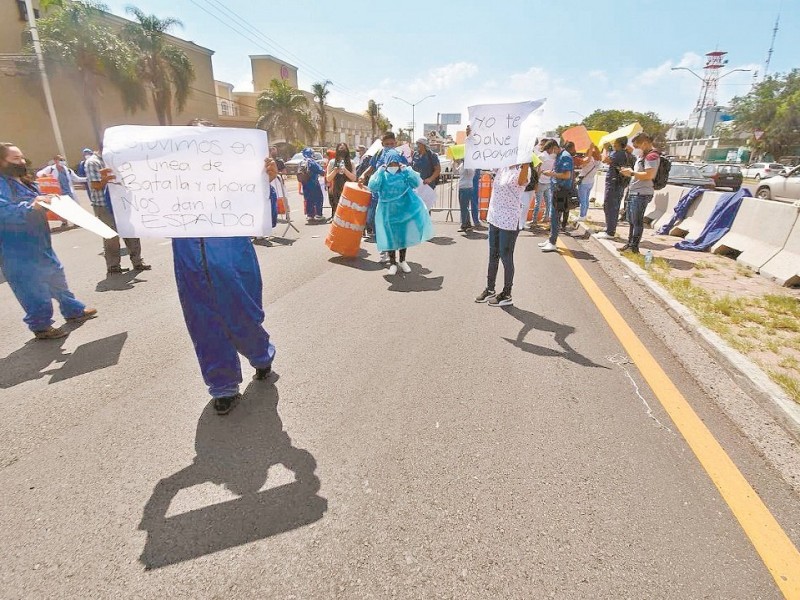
(85, 150)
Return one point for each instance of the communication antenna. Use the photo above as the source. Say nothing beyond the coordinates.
(771, 45)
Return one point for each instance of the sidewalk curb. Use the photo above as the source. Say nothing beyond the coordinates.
(724, 352)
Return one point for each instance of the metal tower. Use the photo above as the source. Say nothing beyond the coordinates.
(771, 46)
(708, 94)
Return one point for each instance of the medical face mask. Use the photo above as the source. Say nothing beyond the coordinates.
(637, 152)
(393, 170)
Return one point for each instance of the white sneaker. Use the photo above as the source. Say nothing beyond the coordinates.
(393, 269)
(602, 236)
(548, 247)
(543, 244)
(404, 266)
(384, 257)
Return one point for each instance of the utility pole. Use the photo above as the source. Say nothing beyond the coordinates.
(48, 96)
(771, 46)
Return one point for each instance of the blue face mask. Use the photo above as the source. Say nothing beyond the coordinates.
(393, 170)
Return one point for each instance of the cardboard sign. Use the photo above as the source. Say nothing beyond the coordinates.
(579, 136)
(502, 135)
(188, 181)
(69, 210)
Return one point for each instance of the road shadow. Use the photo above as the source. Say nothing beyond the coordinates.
(531, 321)
(359, 262)
(475, 235)
(442, 240)
(119, 282)
(27, 363)
(582, 255)
(235, 451)
(414, 281)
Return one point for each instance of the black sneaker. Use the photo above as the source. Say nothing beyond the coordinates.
(116, 270)
(502, 299)
(625, 248)
(225, 405)
(485, 295)
(262, 374)
(463, 228)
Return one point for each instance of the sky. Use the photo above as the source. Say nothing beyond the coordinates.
(581, 56)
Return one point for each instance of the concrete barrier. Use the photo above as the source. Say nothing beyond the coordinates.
(759, 232)
(663, 204)
(599, 189)
(784, 267)
(697, 217)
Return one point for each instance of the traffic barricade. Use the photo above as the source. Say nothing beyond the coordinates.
(347, 227)
(698, 215)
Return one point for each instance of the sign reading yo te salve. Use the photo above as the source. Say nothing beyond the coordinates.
(502, 135)
(188, 181)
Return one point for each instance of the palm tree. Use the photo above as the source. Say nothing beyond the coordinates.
(321, 91)
(373, 112)
(74, 33)
(162, 66)
(284, 109)
(384, 124)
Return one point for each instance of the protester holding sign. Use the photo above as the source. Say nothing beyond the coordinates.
(506, 217)
(220, 289)
(401, 219)
(27, 258)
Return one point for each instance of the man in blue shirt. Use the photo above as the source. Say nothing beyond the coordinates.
(426, 163)
(615, 187)
(561, 177)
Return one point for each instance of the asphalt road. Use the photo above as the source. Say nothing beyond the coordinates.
(413, 444)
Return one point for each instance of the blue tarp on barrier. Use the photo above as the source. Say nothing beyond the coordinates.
(684, 204)
(719, 223)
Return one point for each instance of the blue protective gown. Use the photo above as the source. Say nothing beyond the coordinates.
(401, 219)
(28, 260)
(219, 285)
(312, 190)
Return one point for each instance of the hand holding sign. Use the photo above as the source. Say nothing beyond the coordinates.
(188, 181)
(502, 135)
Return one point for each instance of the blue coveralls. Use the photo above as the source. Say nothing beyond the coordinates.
(312, 191)
(219, 286)
(28, 260)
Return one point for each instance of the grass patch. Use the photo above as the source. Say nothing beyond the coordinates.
(768, 324)
(743, 271)
(704, 264)
(790, 385)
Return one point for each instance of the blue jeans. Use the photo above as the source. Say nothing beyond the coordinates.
(474, 201)
(501, 247)
(613, 198)
(544, 199)
(464, 201)
(637, 205)
(584, 189)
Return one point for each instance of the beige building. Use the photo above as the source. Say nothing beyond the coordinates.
(341, 126)
(24, 119)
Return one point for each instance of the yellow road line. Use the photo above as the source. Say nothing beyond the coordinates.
(770, 541)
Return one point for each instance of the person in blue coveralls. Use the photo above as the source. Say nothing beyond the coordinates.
(401, 219)
(312, 189)
(220, 288)
(27, 258)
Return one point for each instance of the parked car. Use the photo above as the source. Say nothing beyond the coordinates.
(294, 163)
(781, 187)
(761, 170)
(726, 176)
(689, 175)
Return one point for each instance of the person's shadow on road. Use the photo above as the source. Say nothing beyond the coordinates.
(531, 321)
(414, 281)
(27, 363)
(235, 451)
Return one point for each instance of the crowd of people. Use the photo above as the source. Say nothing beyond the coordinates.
(219, 279)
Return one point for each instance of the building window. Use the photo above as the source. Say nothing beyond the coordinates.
(224, 108)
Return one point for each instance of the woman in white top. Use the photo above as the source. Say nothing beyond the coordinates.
(588, 169)
(506, 217)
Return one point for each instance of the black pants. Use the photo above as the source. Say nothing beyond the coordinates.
(393, 256)
(501, 248)
(611, 203)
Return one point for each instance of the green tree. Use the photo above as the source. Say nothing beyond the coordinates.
(321, 91)
(75, 34)
(772, 106)
(384, 124)
(284, 110)
(160, 65)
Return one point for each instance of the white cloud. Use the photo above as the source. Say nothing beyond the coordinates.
(442, 78)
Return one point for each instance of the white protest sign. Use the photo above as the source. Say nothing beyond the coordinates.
(69, 210)
(188, 181)
(502, 135)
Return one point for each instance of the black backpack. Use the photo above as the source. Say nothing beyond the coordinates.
(662, 173)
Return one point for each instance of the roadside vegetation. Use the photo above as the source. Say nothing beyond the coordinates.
(764, 327)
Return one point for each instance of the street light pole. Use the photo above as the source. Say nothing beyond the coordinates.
(703, 101)
(413, 105)
(48, 96)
